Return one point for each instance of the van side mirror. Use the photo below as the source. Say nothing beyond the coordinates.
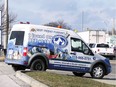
(88, 52)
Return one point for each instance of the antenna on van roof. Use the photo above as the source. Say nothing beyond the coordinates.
(21, 22)
(25, 23)
(28, 22)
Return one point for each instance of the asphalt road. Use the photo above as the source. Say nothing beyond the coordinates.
(113, 68)
(7, 77)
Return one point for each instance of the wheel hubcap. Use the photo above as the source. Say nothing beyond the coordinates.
(38, 67)
(97, 72)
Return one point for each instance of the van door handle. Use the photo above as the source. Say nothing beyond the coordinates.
(73, 53)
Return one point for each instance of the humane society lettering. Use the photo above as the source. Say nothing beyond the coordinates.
(40, 35)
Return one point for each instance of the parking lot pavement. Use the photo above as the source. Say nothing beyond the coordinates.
(107, 80)
(113, 61)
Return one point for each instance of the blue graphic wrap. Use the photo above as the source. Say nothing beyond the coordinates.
(60, 41)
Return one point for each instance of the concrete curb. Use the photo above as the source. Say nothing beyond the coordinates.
(110, 82)
(32, 82)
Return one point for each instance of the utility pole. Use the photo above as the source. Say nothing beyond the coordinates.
(113, 29)
(0, 27)
(82, 20)
(106, 27)
(6, 21)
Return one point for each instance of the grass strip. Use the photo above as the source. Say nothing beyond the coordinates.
(57, 80)
(2, 59)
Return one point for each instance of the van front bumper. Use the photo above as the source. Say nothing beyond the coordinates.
(108, 66)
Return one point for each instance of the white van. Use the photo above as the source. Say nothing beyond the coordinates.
(40, 47)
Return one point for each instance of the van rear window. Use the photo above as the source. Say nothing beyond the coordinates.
(103, 45)
(19, 36)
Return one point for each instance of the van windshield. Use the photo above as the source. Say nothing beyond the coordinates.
(18, 36)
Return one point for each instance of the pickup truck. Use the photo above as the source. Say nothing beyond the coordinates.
(103, 49)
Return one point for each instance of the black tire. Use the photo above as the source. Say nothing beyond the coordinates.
(16, 67)
(78, 74)
(38, 65)
(98, 72)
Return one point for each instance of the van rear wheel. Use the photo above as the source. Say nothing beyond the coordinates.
(78, 74)
(38, 65)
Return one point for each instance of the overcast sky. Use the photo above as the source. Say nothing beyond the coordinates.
(97, 14)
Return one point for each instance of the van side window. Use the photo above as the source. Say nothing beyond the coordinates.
(78, 45)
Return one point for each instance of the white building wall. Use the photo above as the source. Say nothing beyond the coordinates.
(93, 36)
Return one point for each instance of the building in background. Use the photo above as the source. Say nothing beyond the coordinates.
(93, 36)
(98, 36)
(111, 40)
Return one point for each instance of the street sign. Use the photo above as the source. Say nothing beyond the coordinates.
(0, 18)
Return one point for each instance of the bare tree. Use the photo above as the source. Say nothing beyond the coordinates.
(110, 32)
(11, 18)
(59, 23)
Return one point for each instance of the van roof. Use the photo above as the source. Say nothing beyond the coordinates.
(28, 27)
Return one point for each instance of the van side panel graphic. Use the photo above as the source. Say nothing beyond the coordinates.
(51, 44)
(14, 52)
(55, 48)
(59, 41)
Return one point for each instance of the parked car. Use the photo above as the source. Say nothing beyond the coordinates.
(115, 50)
(103, 49)
(91, 45)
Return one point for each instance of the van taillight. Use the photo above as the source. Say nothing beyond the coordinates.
(25, 51)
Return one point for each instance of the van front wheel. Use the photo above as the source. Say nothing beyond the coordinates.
(79, 74)
(98, 71)
(38, 65)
